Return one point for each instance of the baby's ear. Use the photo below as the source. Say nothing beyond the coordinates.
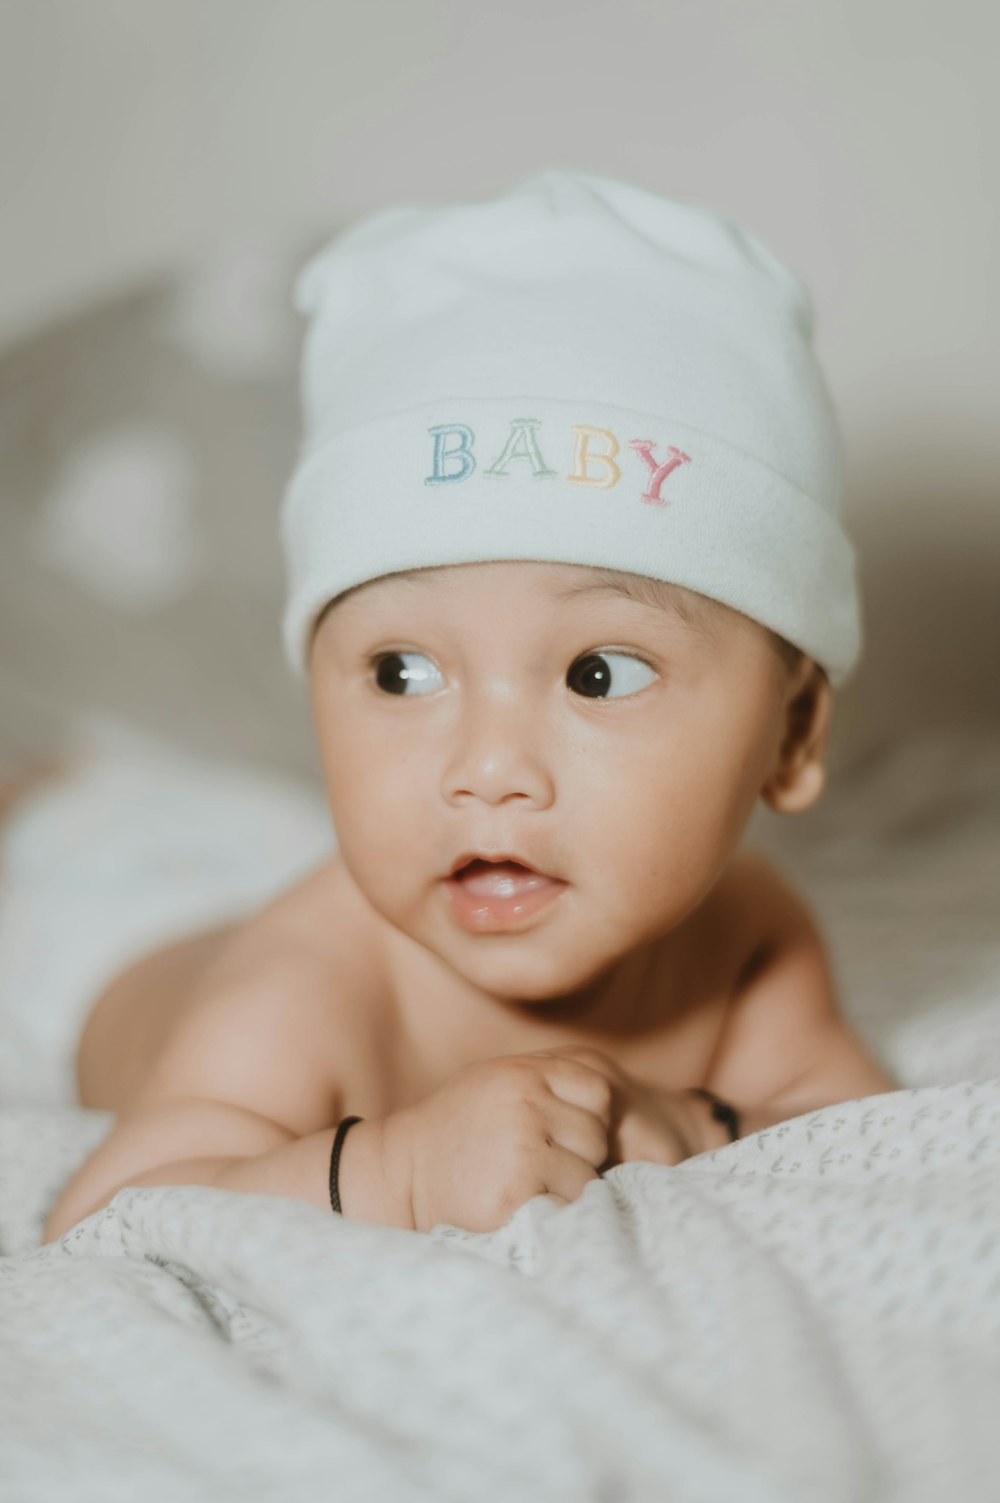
(798, 775)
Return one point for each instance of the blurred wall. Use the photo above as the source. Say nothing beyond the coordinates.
(858, 139)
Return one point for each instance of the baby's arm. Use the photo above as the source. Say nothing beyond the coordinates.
(785, 1048)
(227, 1106)
(232, 1149)
(171, 1140)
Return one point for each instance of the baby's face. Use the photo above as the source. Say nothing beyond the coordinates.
(617, 744)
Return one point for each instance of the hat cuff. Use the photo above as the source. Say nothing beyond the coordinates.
(472, 480)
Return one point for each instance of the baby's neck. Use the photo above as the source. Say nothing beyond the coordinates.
(448, 1020)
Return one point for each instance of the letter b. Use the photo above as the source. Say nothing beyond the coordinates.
(462, 452)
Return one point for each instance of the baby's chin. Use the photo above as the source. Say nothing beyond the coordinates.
(532, 972)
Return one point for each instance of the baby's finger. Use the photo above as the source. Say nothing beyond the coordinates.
(580, 1085)
(587, 1054)
(566, 1173)
(579, 1130)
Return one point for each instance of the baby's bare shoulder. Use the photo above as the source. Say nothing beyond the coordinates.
(754, 909)
(768, 898)
(282, 1012)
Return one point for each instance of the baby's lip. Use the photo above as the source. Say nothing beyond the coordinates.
(495, 857)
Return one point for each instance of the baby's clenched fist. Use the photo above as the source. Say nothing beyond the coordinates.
(497, 1133)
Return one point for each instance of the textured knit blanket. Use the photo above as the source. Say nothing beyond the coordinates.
(810, 1314)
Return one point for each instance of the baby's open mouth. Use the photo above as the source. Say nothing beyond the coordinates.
(470, 862)
(490, 896)
(499, 879)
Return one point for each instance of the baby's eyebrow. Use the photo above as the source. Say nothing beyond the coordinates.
(653, 594)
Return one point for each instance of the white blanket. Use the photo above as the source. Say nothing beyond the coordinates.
(811, 1314)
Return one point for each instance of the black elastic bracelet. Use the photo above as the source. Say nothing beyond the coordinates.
(721, 1110)
(338, 1139)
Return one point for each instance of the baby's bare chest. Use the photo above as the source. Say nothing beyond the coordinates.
(670, 1038)
(311, 984)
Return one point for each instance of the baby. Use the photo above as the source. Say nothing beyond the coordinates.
(572, 483)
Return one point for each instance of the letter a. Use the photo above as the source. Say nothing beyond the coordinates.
(522, 444)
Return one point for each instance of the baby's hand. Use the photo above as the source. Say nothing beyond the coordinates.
(499, 1132)
(648, 1123)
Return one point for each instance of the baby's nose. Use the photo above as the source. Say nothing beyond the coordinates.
(499, 760)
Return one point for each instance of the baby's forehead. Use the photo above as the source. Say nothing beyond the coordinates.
(560, 585)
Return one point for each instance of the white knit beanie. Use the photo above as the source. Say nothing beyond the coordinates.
(579, 372)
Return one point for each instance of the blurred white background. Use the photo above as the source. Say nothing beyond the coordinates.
(199, 147)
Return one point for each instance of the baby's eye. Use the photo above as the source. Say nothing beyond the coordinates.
(591, 675)
(395, 670)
